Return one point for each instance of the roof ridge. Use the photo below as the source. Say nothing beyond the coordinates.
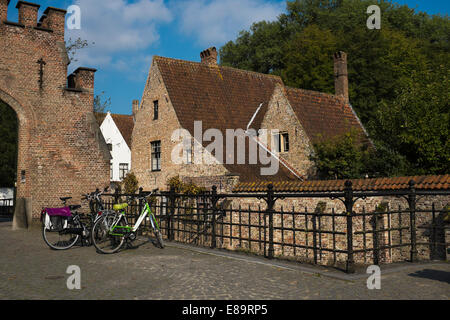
(219, 66)
(315, 92)
(121, 114)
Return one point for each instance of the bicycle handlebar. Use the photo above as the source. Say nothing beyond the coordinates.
(144, 195)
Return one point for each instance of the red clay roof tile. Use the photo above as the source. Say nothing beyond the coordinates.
(439, 182)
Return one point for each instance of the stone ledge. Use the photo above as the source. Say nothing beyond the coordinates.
(15, 24)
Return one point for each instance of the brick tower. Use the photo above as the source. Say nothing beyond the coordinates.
(61, 151)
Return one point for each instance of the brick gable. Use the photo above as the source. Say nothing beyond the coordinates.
(222, 98)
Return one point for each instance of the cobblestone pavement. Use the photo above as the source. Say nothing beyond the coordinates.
(31, 270)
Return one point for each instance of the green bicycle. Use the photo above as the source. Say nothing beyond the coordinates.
(112, 230)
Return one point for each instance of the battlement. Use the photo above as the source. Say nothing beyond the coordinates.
(53, 19)
(49, 27)
(81, 79)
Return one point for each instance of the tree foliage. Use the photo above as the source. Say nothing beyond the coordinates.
(341, 157)
(398, 75)
(130, 184)
(8, 145)
(180, 186)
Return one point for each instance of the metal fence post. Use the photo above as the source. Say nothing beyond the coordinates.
(349, 211)
(270, 204)
(314, 232)
(116, 195)
(376, 243)
(412, 219)
(140, 202)
(214, 200)
(170, 233)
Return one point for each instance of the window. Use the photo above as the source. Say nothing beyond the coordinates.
(123, 170)
(109, 146)
(155, 109)
(285, 138)
(111, 171)
(156, 155)
(281, 141)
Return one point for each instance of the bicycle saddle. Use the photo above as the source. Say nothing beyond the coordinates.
(120, 206)
(74, 207)
(65, 198)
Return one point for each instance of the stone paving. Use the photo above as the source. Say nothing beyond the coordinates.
(31, 270)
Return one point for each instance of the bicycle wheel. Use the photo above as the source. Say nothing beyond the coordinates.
(159, 239)
(59, 240)
(158, 235)
(102, 239)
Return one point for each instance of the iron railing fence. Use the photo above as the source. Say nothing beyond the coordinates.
(339, 236)
(6, 207)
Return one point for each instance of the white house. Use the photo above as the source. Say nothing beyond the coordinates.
(117, 130)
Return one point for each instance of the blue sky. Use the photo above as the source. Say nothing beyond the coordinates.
(127, 33)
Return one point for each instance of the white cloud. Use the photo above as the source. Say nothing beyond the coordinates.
(215, 22)
(117, 27)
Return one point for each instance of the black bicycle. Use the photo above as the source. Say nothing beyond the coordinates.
(64, 227)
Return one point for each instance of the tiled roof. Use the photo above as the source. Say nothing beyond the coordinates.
(322, 115)
(435, 182)
(222, 98)
(226, 98)
(124, 123)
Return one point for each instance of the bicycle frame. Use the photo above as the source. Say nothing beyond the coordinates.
(146, 211)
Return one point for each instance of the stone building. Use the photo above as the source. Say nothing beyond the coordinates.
(199, 96)
(61, 151)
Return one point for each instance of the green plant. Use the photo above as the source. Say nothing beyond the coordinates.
(186, 188)
(341, 157)
(130, 183)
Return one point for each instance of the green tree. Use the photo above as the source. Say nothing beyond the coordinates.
(389, 71)
(130, 183)
(417, 122)
(307, 59)
(341, 157)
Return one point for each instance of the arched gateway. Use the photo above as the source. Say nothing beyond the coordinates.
(61, 151)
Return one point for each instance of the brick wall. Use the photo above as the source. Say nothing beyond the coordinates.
(280, 116)
(146, 130)
(61, 150)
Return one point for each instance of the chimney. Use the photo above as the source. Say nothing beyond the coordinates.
(341, 75)
(84, 78)
(54, 19)
(4, 10)
(135, 108)
(28, 13)
(209, 56)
